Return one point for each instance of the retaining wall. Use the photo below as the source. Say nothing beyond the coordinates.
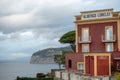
(64, 75)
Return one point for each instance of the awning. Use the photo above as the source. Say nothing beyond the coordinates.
(117, 58)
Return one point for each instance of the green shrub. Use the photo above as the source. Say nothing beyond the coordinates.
(117, 76)
(47, 79)
(27, 78)
(40, 75)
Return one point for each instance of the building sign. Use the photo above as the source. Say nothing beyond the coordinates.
(96, 15)
(102, 57)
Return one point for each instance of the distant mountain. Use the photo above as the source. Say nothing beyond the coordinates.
(47, 55)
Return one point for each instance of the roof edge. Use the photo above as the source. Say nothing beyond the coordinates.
(111, 9)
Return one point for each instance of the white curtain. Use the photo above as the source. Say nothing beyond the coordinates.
(109, 47)
(86, 48)
(109, 35)
(85, 35)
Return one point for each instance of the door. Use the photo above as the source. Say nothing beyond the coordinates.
(89, 65)
(102, 65)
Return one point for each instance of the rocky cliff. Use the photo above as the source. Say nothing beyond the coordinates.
(47, 55)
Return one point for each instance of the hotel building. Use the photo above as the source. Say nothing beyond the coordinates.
(97, 43)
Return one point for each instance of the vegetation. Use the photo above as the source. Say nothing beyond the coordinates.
(63, 56)
(26, 78)
(117, 76)
(60, 59)
(47, 79)
(40, 75)
(69, 38)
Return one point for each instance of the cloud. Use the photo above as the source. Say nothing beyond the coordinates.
(27, 26)
(26, 14)
(8, 36)
(14, 56)
(16, 19)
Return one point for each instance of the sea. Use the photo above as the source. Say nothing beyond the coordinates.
(10, 70)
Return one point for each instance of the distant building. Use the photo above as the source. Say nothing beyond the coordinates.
(97, 43)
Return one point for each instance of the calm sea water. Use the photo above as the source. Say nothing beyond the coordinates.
(10, 70)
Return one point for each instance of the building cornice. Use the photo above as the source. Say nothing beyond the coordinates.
(97, 11)
(96, 20)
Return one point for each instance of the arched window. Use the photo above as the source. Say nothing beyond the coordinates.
(69, 63)
(85, 34)
(109, 33)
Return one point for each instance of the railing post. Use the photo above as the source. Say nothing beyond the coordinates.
(89, 38)
(68, 76)
(60, 74)
(84, 41)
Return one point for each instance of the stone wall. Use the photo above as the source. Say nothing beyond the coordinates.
(65, 75)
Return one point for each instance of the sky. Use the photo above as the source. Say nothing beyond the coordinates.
(27, 26)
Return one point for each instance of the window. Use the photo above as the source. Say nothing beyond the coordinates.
(85, 34)
(80, 66)
(85, 47)
(109, 47)
(109, 33)
(118, 65)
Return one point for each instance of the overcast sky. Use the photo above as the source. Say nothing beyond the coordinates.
(27, 26)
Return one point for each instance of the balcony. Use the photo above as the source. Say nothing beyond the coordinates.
(113, 39)
(80, 40)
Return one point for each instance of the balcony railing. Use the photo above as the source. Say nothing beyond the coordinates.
(104, 39)
(80, 40)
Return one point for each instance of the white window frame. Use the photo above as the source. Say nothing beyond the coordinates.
(107, 35)
(107, 47)
(83, 47)
(118, 65)
(80, 64)
(84, 36)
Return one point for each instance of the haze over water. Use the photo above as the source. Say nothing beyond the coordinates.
(10, 70)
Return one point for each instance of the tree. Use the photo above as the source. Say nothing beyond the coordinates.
(58, 60)
(69, 38)
(64, 52)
